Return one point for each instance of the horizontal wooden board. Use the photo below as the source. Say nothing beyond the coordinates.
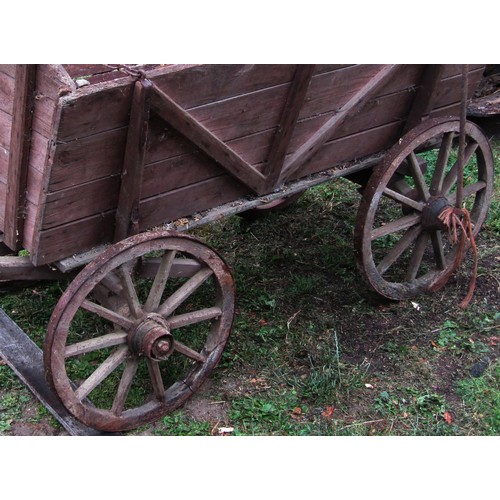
(63, 241)
(6, 93)
(8, 69)
(5, 126)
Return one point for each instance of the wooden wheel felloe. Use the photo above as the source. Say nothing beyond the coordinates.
(139, 329)
(401, 246)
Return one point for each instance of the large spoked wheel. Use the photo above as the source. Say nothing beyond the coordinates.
(139, 329)
(401, 245)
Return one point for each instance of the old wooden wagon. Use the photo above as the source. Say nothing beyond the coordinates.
(108, 166)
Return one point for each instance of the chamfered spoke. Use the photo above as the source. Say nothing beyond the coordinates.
(105, 313)
(102, 342)
(405, 200)
(398, 249)
(130, 293)
(125, 384)
(451, 177)
(102, 372)
(161, 277)
(188, 288)
(468, 191)
(187, 351)
(192, 318)
(441, 163)
(156, 380)
(437, 246)
(417, 255)
(395, 226)
(418, 176)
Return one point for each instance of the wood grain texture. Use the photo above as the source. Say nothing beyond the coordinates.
(19, 150)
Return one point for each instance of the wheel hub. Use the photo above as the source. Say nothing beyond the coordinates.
(152, 338)
(430, 214)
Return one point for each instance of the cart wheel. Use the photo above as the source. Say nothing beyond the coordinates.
(139, 330)
(400, 244)
(266, 208)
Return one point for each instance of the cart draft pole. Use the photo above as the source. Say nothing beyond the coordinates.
(20, 142)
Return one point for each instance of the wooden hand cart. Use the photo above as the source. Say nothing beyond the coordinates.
(109, 166)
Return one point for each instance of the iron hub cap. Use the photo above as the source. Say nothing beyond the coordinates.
(151, 338)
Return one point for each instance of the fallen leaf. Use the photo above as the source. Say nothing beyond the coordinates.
(225, 430)
(328, 412)
(297, 411)
(447, 416)
(369, 386)
(492, 341)
(262, 322)
(416, 306)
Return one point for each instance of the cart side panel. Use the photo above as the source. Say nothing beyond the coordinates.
(180, 180)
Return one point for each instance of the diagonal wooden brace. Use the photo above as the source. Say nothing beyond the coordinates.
(169, 111)
(326, 131)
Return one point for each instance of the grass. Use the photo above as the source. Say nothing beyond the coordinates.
(313, 350)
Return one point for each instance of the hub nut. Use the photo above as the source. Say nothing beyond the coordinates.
(152, 338)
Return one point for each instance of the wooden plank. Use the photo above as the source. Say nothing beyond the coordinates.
(188, 126)
(20, 141)
(127, 213)
(291, 110)
(314, 143)
(72, 204)
(14, 268)
(6, 93)
(5, 125)
(352, 147)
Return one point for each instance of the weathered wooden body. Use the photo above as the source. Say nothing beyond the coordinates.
(214, 133)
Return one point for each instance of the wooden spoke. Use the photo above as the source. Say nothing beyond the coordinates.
(395, 226)
(107, 314)
(125, 385)
(154, 297)
(187, 351)
(451, 176)
(109, 340)
(397, 250)
(418, 176)
(129, 290)
(417, 255)
(156, 380)
(178, 297)
(104, 370)
(192, 318)
(437, 246)
(441, 163)
(394, 195)
(468, 191)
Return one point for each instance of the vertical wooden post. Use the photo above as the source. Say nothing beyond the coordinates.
(293, 105)
(127, 214)
(19, 150)
(425, 95)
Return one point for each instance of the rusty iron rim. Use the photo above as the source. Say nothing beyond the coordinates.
(144, 331)
(422, 240)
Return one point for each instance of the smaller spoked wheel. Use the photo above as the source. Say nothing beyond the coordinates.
(139, 330)
(401, 245)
